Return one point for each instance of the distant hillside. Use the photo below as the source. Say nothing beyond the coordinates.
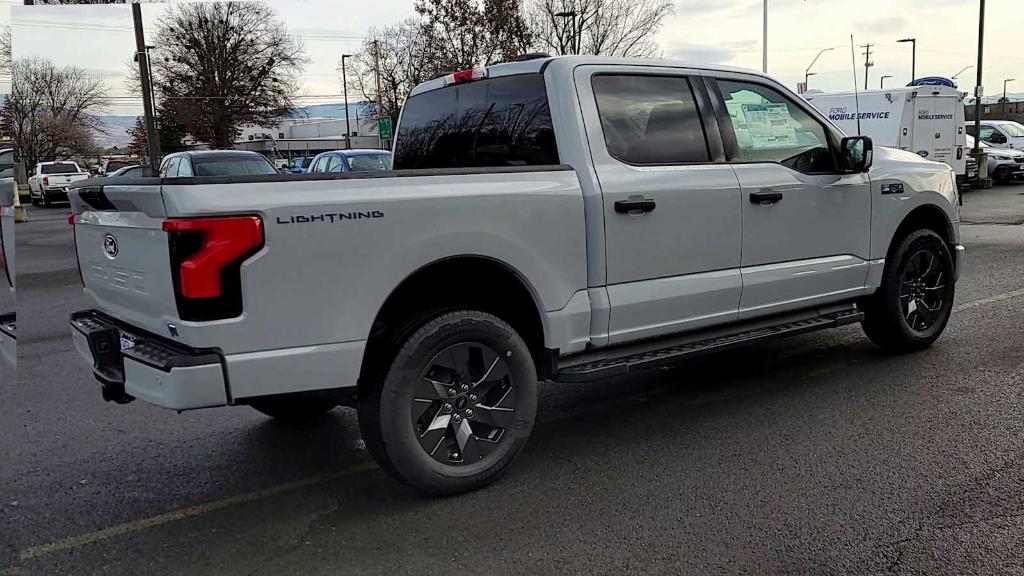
(115, 128)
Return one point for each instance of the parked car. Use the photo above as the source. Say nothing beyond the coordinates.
(7, 163)
(133, 171)
(300, 164)
(570, 218)
(50, 180)
(1004, 164)
(8, 323)
(1000, 133)
(215, 163)
(108, 167)
(358, 160)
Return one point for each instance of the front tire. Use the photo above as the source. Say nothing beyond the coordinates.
(911, 308)
(456, 406)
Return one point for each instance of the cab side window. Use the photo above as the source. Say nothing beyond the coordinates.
(650, 119)
(334, 164)
(318, 166)
(987, 132)
(185, 168)
(170, 169)
(769, 127)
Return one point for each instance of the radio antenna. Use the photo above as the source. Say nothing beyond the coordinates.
(856, 97)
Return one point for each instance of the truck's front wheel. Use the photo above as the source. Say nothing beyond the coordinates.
(911, 308)
(455, 407)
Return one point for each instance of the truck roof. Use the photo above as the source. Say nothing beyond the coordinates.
(537, 65)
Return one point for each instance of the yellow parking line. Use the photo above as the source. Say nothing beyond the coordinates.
(181, 514)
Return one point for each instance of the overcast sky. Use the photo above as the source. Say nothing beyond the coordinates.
(99, 38)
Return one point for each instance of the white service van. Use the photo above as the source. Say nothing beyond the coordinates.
(926, 120)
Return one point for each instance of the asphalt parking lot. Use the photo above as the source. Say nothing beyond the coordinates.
(813, 455)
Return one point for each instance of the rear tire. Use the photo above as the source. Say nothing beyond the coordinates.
(912, 306)
(455, 407)
(294, 409)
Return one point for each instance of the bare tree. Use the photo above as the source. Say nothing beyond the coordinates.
(221, 66)
(468, 33)
(609, 27)
(52, 110)
(406, 58)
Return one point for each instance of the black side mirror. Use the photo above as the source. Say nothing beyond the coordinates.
(855, 154)
(997, 138)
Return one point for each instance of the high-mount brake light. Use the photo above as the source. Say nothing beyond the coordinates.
(206, 258)
(465, 76)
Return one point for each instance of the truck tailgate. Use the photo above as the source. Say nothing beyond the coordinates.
(123, 253)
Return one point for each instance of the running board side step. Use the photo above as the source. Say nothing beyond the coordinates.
(602, 364)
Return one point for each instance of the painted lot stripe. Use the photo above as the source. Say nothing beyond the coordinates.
(202, 509)
(183, 513)
(989, 300)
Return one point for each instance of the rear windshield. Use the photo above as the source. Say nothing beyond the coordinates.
(503, 121)
(115, 165)
(62, 168)
(370, 162)
(232, 166)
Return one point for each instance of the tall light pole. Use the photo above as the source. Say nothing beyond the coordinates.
(142, 57)
(962, 70)
(1004, 93)
(344, 90)
(807, 72)
(979, 90)
(764, 36)
(881, 82)
(913, 57)
(571, 16)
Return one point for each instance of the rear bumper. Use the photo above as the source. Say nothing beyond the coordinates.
(8, 339)
(56, 194)
(159, 372)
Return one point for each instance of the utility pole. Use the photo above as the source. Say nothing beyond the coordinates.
(344, 89)
(1004, 93)
(979, 90)
(142, 56)
(867, 62)
(376, 68)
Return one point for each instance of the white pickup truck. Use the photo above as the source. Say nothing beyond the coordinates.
(50, 181)
(566, 219)
(8, 323)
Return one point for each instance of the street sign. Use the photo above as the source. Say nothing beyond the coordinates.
(384, 127)
(801, 87)
(979, 91)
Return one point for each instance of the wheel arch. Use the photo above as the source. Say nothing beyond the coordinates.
(464, 281)
(926, 216)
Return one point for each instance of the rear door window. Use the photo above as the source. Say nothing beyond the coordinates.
(650, 119)
(185, 168)
(334, 164)
(497, 122)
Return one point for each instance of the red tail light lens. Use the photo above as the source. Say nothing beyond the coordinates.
(206, 257)
(46, 180)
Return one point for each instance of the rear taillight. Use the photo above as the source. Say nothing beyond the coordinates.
(206, 258)
(46, 180)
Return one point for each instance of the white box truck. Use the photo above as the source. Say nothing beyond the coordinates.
(927, 120)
